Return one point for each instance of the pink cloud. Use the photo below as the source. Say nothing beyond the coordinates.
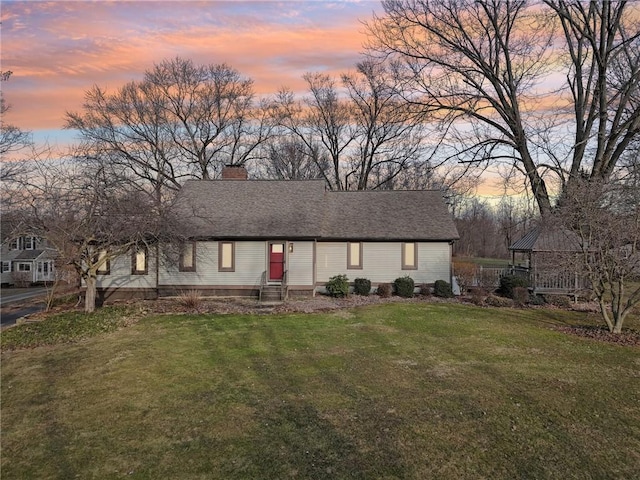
(58, 50)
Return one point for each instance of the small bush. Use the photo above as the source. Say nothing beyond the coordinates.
(560, 301)
(442, 289)
(494, 301)
(537, 300)
(509, 282)
(478, 295)
(362, 286)
(190, 299)
(521, 296)
(22, 279)
(384, 290)
(338, 286)
(425, 290)
(404, 286)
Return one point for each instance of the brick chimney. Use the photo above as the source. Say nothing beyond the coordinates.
(234, 172)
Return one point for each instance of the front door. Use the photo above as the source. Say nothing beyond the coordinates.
(276, 262)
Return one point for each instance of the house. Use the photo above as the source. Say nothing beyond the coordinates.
(26, 259)
(259, 237)
(551, 258)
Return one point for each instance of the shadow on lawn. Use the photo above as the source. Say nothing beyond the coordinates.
(294, 436)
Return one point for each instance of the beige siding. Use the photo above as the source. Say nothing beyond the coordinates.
(300, 264)
(250, 262)
(382, 262)
(120, 274)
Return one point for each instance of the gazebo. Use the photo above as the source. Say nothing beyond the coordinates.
(551, 256)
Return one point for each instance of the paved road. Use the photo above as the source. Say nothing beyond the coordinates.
(13, 297)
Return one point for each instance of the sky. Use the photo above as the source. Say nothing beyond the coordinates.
(57, 50)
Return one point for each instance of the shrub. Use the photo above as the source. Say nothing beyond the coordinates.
(425, 289)
(338, 286)
(509, 282)
(478, 296)
(494, 301)
(560, 301)
(404, 286)
(384, 290)
(442, 289)
(190, 299)
(362, 286)
(22, 279)
(466, 273)
(521, 296)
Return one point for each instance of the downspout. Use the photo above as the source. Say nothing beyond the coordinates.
(157, 270)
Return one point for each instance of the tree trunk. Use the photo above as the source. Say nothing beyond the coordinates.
(90, 294)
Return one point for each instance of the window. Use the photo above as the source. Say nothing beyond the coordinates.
(354, 255)
(24, 267)
(139, 261)
(15, 244)
(409, 256)
(188, 257)
(29, 243)
(6, 267)
(104, 265)
(226, 257)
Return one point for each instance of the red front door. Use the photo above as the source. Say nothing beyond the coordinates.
(276, 261)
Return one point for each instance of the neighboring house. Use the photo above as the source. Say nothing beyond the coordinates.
(551, 255)
(25, 260)
(259, 237)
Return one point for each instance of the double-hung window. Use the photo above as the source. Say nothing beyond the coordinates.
(6, 267)
(226, 257)
(29, 243)
(354, 255)
(409, 256)
(188, 257)
(104, 264)
(139, 264)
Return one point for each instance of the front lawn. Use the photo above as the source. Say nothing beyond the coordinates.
(406, 391)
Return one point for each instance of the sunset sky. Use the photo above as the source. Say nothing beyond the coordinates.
(57, 50)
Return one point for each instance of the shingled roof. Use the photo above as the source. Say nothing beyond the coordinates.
(304, 209)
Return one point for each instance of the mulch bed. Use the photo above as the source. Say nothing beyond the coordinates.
(322, 303)
(626, 338)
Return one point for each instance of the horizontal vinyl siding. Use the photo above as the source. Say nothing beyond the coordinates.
(250, 262)
(382, 262)
(120, 274)
(300, 264)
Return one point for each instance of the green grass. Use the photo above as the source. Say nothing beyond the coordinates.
(66, 327)
(401, 391)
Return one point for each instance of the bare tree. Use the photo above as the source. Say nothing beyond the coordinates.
(88, 216)
(360, 134)
(484, 66)
(12, 140)
(605, 220)
(389, 136)
(322, 122)
(288, 158)
(181, 121)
